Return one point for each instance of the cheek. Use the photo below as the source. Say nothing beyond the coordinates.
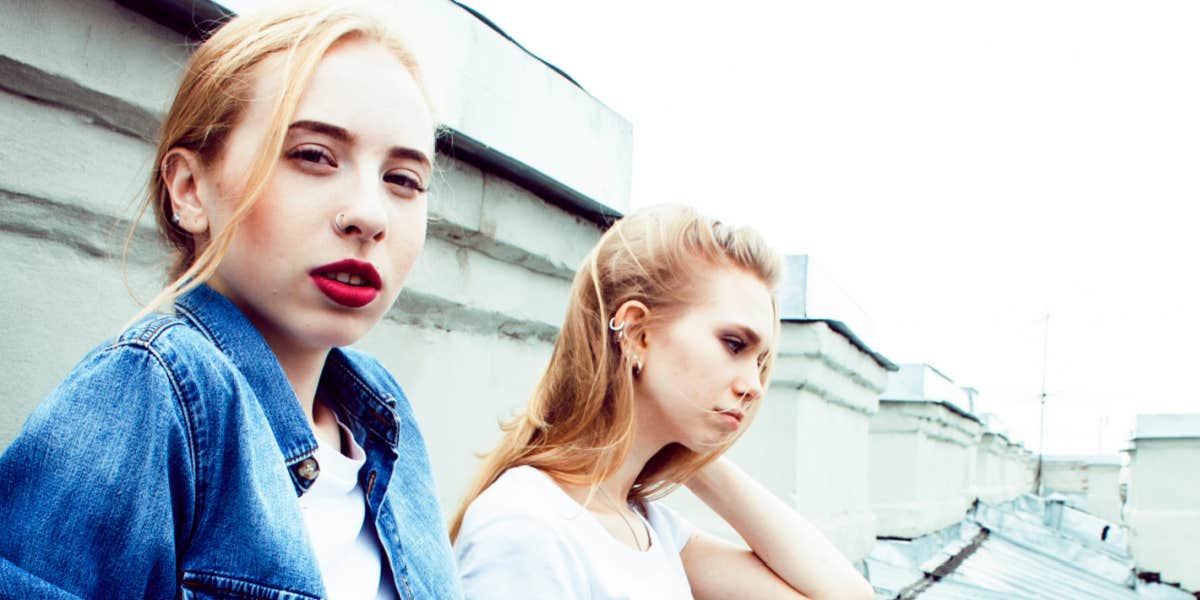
(407, 238)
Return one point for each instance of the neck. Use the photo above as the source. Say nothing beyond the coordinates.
(646, 443)
(303, 367)
(619, 483)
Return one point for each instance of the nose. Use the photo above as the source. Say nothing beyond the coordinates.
(365, 215)
(748, 387)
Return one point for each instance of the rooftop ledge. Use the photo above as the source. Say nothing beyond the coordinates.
(504, 110)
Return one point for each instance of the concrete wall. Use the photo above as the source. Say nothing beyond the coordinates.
(1163, 512)
(922, 462)
(82, 86)
(1104, 491)
(991, 485)
(808, 443)
(1090, 482)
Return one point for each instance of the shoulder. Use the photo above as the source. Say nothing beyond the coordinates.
(521, 494)
(514, 542)
(523, 508)
(672, 529)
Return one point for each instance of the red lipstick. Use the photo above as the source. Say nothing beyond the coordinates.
(351, 283)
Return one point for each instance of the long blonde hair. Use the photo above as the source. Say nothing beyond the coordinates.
(213, 96)
(578, 426)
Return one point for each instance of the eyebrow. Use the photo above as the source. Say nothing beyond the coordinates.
(341, 134)
(752, 337)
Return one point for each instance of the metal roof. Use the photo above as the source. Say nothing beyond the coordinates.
(1025, 549)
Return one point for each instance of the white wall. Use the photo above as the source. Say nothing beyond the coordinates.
(1163, 512)
(922, 458)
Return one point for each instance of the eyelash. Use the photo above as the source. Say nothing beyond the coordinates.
(317, 155)
(736, 345)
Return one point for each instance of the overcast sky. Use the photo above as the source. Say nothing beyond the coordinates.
(956, 170)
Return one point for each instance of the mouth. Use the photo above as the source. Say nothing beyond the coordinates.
(351, 283)
(732, 416)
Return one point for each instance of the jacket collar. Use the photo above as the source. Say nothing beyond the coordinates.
(223, 323)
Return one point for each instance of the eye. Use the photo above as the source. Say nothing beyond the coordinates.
(405, 180)
(735, 345)
(312, 156)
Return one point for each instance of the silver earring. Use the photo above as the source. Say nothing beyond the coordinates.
(337, 222)
(175, 220)
(637, 364)
(617, 329)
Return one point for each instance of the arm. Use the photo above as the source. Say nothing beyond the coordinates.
(788, 557)
(95, 487)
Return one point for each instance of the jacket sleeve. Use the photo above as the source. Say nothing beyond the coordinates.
(97, 491)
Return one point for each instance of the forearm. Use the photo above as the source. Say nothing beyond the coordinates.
(785, 541)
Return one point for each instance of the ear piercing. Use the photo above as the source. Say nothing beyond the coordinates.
(619, 330)
(175, 220)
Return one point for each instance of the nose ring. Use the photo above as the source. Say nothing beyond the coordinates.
(337, 222)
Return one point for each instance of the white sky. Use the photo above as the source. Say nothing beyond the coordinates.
(955, 169)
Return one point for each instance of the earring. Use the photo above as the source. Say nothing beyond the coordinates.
(637, 364)
(617, 329)
(175, 220)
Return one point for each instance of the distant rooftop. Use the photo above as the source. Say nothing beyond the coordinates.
(1089, 459)
(1027, 548)
(924, 383)
(1168, 426)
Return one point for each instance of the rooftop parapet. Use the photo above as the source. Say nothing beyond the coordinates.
(1167, 426)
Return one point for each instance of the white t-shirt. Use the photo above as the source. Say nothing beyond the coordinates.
(524, 537)
(335, 513)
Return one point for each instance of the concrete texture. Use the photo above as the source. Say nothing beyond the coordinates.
(1163, 511)
(922, 456)
(494, 92)
(1091, 482)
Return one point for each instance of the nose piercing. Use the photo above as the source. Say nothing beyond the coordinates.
(337, 222)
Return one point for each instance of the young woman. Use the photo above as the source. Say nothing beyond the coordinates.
(231, 448)
(661, 364)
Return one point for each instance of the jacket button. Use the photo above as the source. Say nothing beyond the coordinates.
(308, 469)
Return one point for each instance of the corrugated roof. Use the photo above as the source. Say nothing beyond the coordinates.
(1026, 549)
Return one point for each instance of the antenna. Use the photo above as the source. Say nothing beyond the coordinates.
(1037, 477)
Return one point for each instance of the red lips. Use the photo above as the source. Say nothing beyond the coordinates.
(351, 283)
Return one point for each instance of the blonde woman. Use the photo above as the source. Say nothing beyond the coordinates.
(228, 447)
(661, 364)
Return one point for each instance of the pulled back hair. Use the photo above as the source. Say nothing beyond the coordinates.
(217, 86)
(579, 424)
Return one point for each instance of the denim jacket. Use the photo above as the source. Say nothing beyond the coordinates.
(169, 463)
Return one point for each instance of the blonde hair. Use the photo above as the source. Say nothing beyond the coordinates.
(578, 426)
(214, 94)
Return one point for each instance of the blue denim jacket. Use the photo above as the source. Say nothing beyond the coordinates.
(169, 463)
